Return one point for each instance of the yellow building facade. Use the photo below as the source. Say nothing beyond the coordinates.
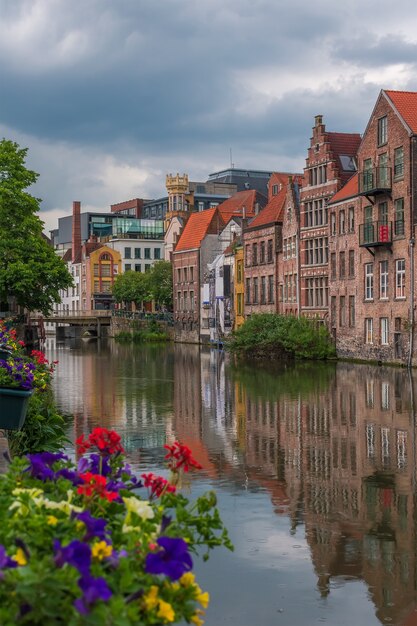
(102, 267)
(239, 289)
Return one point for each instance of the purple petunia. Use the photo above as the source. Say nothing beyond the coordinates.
(19, 372)
(76, 553)
(39, 469)
(93, 589)
(95, 526)
(40, 466)
(95, 464)
(5, 561)
(173, 559)
(70, 475)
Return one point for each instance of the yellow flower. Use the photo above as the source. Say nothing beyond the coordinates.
(19, 507)
(165, 611)
(196, 619)
(52, 520)
(151, 598)
(142, 508)
(19, 557)
(204, 599)
(187, 579)
(101, 550)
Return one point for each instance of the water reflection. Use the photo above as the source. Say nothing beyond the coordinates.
(326, 450)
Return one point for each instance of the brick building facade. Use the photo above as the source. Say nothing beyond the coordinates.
(330, 163)
(289, 258)
(262, 243)
(371, 226)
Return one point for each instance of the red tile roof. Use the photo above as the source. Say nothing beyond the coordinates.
(344, 143)
(197, 227)
(350, 190)
(233, 206)
(273, 211)
(406, 104)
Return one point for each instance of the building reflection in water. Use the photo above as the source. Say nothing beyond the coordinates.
(333, 445)
(343, 459)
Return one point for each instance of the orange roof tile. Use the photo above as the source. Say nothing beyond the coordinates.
(273, 210)
(350, 190)
(197, 227)
(233, 206)
(406, 104)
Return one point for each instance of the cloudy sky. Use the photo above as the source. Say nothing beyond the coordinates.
(110, 95)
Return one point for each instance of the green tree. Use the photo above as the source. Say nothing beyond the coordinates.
(160, 284)
(30, 271)
(131, 287)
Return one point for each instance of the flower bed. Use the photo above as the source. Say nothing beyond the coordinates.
(93, 544)
(18, 371)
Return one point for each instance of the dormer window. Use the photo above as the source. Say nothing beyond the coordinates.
(274, 190)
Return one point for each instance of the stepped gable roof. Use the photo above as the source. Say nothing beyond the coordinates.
(197, 227)
(241, 202)
(349, 190)
(274, 209)
(406, 104)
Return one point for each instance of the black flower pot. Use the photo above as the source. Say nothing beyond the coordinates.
(13, 407)
(4, 353)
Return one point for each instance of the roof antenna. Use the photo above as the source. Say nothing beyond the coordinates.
(231, 160)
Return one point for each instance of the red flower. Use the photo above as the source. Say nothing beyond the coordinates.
(95, 484)
(39, 357)
(157, 484)
(107, 441)
(82, 445)
(179, 456)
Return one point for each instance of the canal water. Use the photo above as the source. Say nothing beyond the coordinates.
(313, 464)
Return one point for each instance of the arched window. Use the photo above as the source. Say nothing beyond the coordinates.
(104, 272)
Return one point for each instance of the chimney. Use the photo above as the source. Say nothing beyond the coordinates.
(318, 120)
(76, 230)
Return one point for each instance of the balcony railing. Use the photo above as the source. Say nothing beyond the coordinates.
(373, 234)
(375, 181)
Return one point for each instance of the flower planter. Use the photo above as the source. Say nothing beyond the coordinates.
(4, 353)
(13, 407)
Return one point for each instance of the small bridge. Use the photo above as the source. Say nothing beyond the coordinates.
(92, 321)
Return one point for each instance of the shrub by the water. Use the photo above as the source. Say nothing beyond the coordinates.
(144, 335)
(273, 336)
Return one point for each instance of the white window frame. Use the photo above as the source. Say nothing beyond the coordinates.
(400, 279)
(369, 330)
(369, 281)
(384, 325)
(383, 280)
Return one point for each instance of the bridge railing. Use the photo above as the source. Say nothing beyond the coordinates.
(77, 314)
(144, 316)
